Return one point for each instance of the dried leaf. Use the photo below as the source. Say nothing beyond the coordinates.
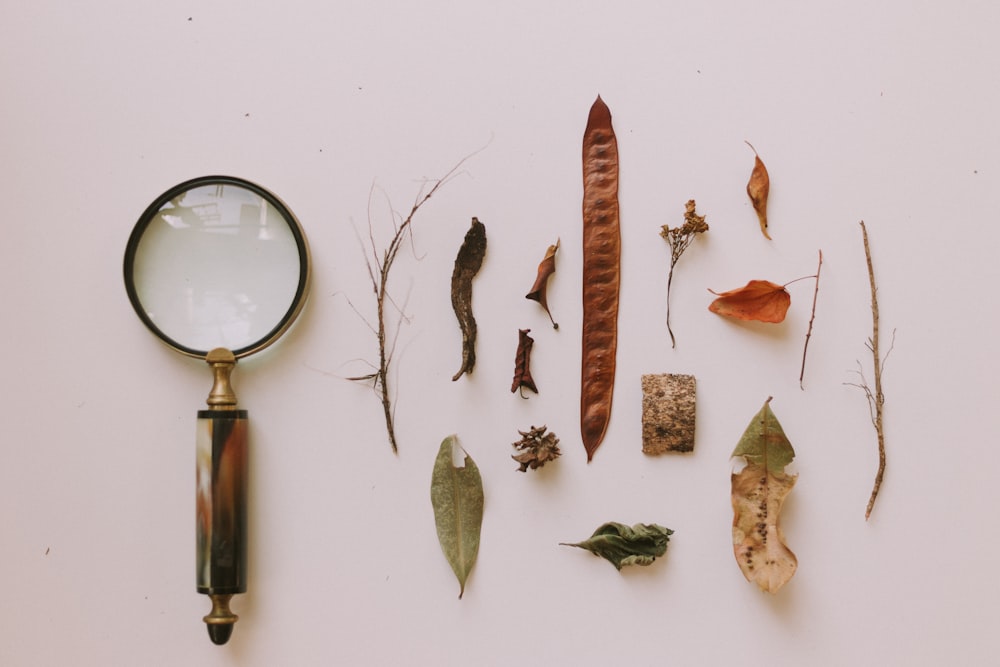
(759, 490)
(758, 188)
(759, 300)
(545, 269)
(601, 275)
(457, 497)
(467, 265)
(522, 363)
(621, 545)
(536, 448)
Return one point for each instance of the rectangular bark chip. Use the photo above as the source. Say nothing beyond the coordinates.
(668, 413)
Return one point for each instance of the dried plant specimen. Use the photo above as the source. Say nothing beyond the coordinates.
(380, 264)
(457, 497)
(536, 448)
(539, 290)
(765, 301)
(758, 188)
(601, 275)
(467, 265)
(622, 545)
(812, 318)
(759, 300)
(522, 364)
(759, 491)
(668, 413)
(679, 238)
(876, 399)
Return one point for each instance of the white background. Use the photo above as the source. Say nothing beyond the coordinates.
(886, 112)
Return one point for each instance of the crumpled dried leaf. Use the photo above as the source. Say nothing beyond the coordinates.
(538, 291)
(758, 492)
(457, 497)
(522, 363)
(758, 188)
(536, 448)
(621, 545)
(759, 300)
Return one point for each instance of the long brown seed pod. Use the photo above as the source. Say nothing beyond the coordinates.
(601, 275)
(467, 265)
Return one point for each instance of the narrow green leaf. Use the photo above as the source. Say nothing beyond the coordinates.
(764, 442)
(621, 545)
(457, 497)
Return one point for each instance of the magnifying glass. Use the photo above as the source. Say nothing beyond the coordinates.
(218, 268)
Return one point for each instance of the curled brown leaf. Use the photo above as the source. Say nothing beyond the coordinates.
(758, 188)
(522, 363)
(545, 269)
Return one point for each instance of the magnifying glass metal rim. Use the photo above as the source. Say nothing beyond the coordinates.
(302, 246)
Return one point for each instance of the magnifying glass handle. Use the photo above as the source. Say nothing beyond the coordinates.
(221, 503)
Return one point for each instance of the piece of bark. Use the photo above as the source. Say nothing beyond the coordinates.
(668, 413)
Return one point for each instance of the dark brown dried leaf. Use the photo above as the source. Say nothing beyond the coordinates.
(467, 265)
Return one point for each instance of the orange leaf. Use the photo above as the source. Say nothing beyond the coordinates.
(759, 300)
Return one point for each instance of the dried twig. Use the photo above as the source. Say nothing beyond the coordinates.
(812, 317)
(876, 399)
(379, 266)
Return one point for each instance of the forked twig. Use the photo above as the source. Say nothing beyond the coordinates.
(876, 399)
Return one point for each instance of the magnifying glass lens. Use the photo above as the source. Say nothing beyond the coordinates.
(217, 265)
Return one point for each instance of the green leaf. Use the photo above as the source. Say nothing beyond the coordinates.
(621, 545)
(764, 442)
(457, 497)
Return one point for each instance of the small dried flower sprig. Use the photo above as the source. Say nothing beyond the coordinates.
(536, 448)
(679, 238)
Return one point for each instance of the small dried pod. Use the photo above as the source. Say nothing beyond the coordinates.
(536, 448)
(758, 188)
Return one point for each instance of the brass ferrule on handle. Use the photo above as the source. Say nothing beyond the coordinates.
(222, 396)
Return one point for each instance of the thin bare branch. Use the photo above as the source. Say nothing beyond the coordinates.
(812, 317)
(876, 399)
